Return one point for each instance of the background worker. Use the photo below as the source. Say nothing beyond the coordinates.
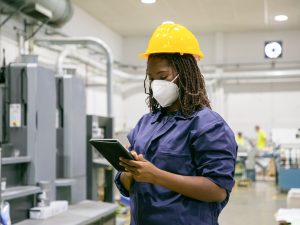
(184, 152)
(261, 145)
(246, 156)
(261, 140)
(239, 138)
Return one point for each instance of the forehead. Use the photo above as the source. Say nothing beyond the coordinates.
(155, 65)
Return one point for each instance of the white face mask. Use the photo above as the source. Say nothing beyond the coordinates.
(165, 92)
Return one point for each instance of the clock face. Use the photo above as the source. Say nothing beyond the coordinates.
(273, 49)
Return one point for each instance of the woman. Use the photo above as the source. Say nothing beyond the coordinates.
(184, 152)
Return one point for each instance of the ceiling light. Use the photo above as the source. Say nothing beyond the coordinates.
(148, 1)
(168, 22)
(281, 18)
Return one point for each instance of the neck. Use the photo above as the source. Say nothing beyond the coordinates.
(174, 107)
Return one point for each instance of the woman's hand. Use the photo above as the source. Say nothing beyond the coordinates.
(141, 169)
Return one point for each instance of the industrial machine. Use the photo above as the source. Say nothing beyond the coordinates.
(71, 139)
(288, 160)
(28, 148)
(43, 139)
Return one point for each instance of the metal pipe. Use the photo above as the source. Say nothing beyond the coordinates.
(69, 52)
(247, 75)
(60, 60)
(21, 42)
(58, 12)
(94, 41)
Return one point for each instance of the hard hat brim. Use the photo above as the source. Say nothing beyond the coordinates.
(145, 55)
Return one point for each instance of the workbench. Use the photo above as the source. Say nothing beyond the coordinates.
(83, 213)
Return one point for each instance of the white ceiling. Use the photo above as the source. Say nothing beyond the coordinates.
(132, 18)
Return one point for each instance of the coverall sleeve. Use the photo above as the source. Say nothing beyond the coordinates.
(120, 186)
(118, 182)
(214, 152)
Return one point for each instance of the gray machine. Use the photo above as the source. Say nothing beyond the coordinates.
(71, 142)
(43, 138)
(29, 134)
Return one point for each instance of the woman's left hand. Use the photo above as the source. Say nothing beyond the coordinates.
(141, 169)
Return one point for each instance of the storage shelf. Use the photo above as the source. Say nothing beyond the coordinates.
(16, 160)
(19, 191)
(64, 182)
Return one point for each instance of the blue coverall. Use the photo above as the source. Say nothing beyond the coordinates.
(200, 145)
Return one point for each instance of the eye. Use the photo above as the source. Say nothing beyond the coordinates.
(163, 77)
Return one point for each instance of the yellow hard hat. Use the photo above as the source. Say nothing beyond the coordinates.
(173, 38)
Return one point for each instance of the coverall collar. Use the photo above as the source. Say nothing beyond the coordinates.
(157, 115)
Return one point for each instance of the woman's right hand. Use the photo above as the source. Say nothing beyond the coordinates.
(127, 177)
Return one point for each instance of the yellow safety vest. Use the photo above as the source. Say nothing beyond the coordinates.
(240, 140)
(261, 142)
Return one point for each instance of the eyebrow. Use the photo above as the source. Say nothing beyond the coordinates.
(159, 72)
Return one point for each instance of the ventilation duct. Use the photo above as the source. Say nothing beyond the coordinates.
(54, 12)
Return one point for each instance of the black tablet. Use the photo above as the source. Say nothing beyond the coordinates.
(112, 150)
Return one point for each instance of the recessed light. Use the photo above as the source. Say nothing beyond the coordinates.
(168, 22)
(281, 18)
(148, 1)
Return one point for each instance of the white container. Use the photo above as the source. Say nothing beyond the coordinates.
(40, 212)
(58, 207)
(293, 198)
(3, 183)
(55, 207)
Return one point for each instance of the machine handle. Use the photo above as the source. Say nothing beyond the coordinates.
(36, 120)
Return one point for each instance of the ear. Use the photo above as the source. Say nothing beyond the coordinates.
(196, 57)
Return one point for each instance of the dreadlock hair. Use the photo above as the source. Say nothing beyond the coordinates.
(192, 92)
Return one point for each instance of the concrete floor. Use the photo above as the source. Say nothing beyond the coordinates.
(253, 205)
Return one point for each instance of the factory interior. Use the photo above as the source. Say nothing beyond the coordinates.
(71, 72)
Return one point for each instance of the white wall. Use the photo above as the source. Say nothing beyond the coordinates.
(134, 105)
(248, 47)
(270, 105)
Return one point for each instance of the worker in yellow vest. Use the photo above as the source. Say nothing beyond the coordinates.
(239, 138)
(261, 141)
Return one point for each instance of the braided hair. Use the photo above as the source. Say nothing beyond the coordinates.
(192, 92)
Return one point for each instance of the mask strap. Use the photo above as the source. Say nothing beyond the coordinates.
(174, 78)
